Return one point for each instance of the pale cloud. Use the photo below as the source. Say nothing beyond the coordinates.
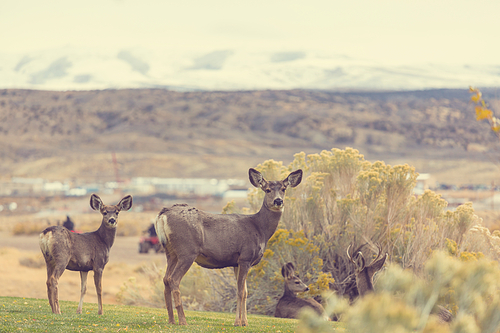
(56, 69)
(135, 63)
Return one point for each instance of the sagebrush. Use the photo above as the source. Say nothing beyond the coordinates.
(344, 199)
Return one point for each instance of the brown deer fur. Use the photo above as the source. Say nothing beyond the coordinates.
(364, 273)
(289, 305)
(86, 252)
(219, 240)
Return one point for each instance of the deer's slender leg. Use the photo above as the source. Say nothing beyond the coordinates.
(50, 272)
(171, 263)
(98, 289)
(53, 275)
(244, 320)
(236, 270)
(174, 281)
(83, 278)
(241, 315)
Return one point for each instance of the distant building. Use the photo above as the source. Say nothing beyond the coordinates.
(196, 186)
(422, 183)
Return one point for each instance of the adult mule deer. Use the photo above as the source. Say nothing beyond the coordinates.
(364, 277)
(86, 252)
(219, 240)
(289, 304)
(364, 273)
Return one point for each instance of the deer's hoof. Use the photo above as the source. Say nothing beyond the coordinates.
(239, 322)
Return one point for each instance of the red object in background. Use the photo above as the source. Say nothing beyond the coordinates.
(149, 242)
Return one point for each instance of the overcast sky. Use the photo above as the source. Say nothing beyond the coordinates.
(394, 31)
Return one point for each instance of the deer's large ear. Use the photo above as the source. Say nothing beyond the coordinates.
(293, 179)
(283, 271)
(125, 203)
(288, 270)
(377, 265)
(95, 202)
(256, 178)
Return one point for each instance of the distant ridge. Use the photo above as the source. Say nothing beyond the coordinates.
(162, 133)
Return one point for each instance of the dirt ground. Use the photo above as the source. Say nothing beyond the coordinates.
(23, 281)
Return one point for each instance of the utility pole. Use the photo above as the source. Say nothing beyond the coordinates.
(492, 195)
(115, 165)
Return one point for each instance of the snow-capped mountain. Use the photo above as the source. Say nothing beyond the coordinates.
(80, 69)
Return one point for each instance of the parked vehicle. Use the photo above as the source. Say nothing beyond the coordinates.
(150, 241)
(147, 243)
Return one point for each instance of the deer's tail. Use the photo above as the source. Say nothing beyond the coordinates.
(162, 229)
(46, 240)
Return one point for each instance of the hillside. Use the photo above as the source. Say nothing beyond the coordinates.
(156, 132)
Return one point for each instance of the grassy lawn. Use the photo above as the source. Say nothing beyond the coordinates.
(19, 314)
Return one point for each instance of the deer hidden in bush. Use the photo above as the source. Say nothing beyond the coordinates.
(364, 277)
(364, 273)
(85, 252)
(289, 305)
(219, 240)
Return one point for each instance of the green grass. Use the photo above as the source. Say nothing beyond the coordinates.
(19, 314)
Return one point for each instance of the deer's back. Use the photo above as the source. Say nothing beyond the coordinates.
(289, 307)
(181, 218)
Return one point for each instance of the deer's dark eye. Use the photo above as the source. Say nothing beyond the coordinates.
(268, 191)
(104, 213)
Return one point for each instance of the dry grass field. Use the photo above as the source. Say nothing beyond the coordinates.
(23, 274)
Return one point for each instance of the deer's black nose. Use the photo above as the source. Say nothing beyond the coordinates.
(278, 202)
(112, 220)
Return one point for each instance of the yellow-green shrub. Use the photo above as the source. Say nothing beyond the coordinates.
(265, 282)
(344, 199)
(403, 302)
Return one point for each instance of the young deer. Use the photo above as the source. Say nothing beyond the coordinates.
(86, 252)
(289, 304)
(219, 240)
(363, 273)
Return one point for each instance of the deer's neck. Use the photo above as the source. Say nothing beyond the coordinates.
(288, 293)
(107, 235)
(364, 283)
(267, 221)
